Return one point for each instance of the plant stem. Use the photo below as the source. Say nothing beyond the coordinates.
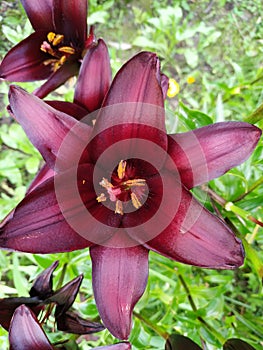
(229, 206)
(220, 338)
(153, 326)
(255, 185)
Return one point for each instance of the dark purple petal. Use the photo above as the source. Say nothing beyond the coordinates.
(44, 173)
(40, 14)
(8, 306)
(42, 286)
(206, 153)
(133, 109)
(65, 296)
(138, 81)
(119, 280)
(119, 346)
(47, 128)
(94, 77)
(70, 322)
(58, 78)
(237, 344)
(195, 236)
(164, 84)
(58, 214)
(26, 333)
(180, 342)
(24, 62)
(38, 225)
(70, 108)
(70, 18)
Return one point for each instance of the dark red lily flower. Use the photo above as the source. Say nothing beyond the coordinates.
(55, 49)
(42, 294)
(91, 87)
(122, 188)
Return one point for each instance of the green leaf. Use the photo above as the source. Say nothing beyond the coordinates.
(191, 57)
(195, 119)
(19, 280)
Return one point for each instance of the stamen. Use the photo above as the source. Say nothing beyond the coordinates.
(51, 36)
(119, 207)
(67, 49)
(50, 61)
(58, 39)
(135, 182)
(105, 183)
(121, 169)
(101, 198)
(135, 201)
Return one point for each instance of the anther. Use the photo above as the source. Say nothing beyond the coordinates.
(121, 169)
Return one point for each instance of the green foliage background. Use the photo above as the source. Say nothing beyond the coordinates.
(219, 43)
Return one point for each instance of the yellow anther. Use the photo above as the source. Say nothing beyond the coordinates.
(51, 36)
(62, 60)
(83, 182)
(173, 89)
(67, 49)
(134, 182)
(190, 80)
(121, 169)
(119, 207)
(135, 201)
(105, 183)
(58, 39)
(101, 198)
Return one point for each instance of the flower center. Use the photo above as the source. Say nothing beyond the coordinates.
(54, 47)
(123, 188)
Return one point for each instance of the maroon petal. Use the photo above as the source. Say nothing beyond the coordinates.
(24, 62)
(70, 322)
(119, 346)
(38, 225)
(180, 342)
(63, 207)
(94, 77)
(58, 78)
(26, 333)
(8, 306)
(40, 14)
(44, 173)
(42, 286)
(70, 18)
(206, 153)
(195, 236)
(138, 80)
(164, 85)
(47, 128)
(237, 344)
(133, 109)
(65, 296)
(119, 280)
(70, 108)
